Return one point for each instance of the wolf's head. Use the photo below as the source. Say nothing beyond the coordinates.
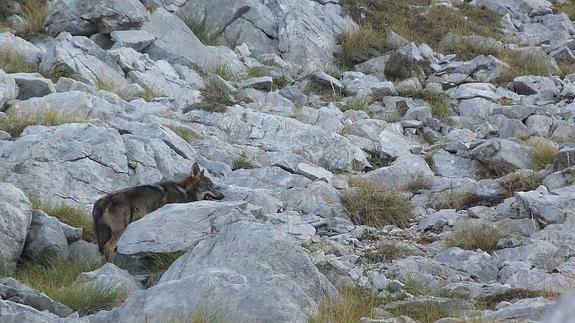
(200, 187)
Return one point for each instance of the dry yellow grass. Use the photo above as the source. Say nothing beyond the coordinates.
(375, 205)
(353, 304)
(14, 123)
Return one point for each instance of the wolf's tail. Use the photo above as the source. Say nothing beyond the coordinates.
(102, 230)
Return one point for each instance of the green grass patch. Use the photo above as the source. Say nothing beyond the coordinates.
(353, 304)
(14, 123)
(242, 163)
(109, 85)
(12, 62)
(418, 182)
(521, 63)
(358, 45)
(375, 205)
(57, 281)
(184, 133)
(490, 302)
(201, 29)
(440, 108)
(359, 102)
(160, 262)
(224, 71)
(482, 237)
(467, 50)
(385, 252)
(453, 200)
(414, 20)
(215, 98)
(428, 312)
(151, 92)
(71, 215)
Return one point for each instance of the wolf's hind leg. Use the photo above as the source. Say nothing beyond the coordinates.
(110, 247)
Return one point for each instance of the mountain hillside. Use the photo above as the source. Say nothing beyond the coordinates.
(379, 161)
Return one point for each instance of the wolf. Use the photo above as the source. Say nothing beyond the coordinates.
(112, 213)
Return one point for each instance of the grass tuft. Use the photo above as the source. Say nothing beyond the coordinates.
(375, 205)
(215, 98)
(522, 180)
(490, 302)
(353, 304)
(34, 13)
(521, 64)
(482, 237)
(414, 20)
(427, 312)
(88, 299)
(224, 71)
(109, 85)
(543, 151)
(467, 50)
(357, 45)
(439, 105)
(12, 62)
(201, 29)
(14, 123)
(68, 214)
(160, 262)
(150, 93)
(57, 280)
(385, 252)
(242, 163)
(454, 200)
(184, 133)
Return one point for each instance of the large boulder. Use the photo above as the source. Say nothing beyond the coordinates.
(249, 272)
(78, 163)
(503, 156)
(176, 227)
(46, 240)
(301, 31)
(79, 56)
(12, 312)
(176, 43)
(404, 170)
(8, 90)
(549, 207)
(110, 276)
(87, 17)
(23, 48)
(480, 265)
(561, 312)
(12, 290)
(281, 137)
(16, 212)
(32, 85)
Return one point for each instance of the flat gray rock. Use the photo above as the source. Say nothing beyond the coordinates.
(46, 240)
(297, 30)
(252, 268)
(32, 85)
(14, 222)
(176, 227)
(86, 17)
(11, 289)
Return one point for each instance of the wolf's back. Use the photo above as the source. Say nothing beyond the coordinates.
(101, 229)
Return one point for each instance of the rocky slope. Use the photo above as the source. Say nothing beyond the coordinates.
(103, 95)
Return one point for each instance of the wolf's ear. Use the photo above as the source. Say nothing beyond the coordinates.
(195, 170)
(202, 173)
